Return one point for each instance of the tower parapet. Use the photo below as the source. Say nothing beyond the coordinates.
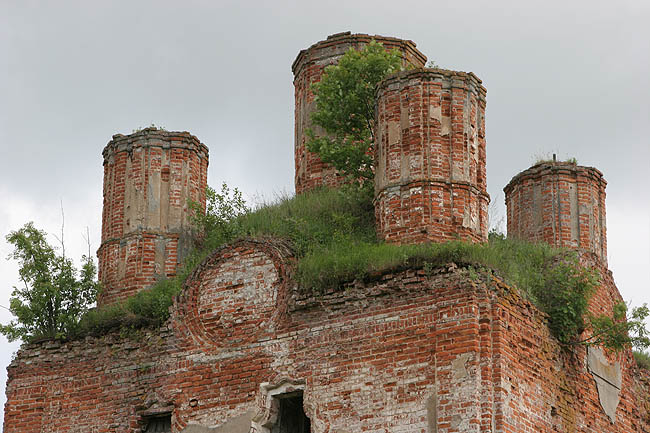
(310, 171)
(560, 203)
(149, 176)
(430, 180)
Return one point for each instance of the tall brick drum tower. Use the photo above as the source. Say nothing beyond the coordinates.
(149, 176)
(560, 203)
(430, 180)
(307, 69)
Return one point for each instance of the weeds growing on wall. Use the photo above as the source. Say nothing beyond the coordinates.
(642, 359)
(308, 221)
(333, 236)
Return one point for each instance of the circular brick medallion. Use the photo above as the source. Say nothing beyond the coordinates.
(237, 295)
(237, 300)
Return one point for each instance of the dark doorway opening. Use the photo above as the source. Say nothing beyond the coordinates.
(291, 415)
(158, 424)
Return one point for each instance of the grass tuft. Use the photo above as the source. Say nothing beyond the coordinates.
(520, 263)
(642, 359)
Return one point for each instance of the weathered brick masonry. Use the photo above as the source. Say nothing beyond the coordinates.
(149, 176)
(430, 178)
(444, 351)
(247, 350)
(307, 69)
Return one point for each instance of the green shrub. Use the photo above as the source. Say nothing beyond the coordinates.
(219, 223)
(345, 101)
(154, 303)
(564, 295)
(622, 329)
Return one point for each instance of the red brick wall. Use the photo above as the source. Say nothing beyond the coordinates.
(430, 179)
(445, 351)
(148, 178)
(560, 203)
(549, 389)
(307, 69)
(642, 387)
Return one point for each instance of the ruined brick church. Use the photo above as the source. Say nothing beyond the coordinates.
(247, 350)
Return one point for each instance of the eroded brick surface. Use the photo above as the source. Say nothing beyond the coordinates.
(444, 351)
(642, 388)
(307, 69)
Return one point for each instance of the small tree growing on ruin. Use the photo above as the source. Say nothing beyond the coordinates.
(55, 295)
(345, 109)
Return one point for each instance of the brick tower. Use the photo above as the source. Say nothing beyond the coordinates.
(307, 69)
(560, 203)
(149, 176)
(430, 180)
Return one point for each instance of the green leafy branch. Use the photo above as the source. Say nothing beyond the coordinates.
(345, 109)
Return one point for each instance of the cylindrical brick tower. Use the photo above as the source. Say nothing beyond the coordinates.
(307, 69)
(430, 181)
(560, 203)
(149, 176)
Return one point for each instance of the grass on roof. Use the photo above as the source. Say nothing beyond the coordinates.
(333, 236)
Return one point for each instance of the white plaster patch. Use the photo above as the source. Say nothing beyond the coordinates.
(435, 112)
(458, 366)
(445, 123)
(608, 379)
(393, 133)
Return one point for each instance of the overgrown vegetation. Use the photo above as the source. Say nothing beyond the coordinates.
(549, 277)
(332, 232)
(309, 221)
(622, 329)
(546, 158)
(218, 224)
(152, 126)
(333, 236)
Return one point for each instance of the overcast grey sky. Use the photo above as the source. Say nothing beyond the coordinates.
(565, 77)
